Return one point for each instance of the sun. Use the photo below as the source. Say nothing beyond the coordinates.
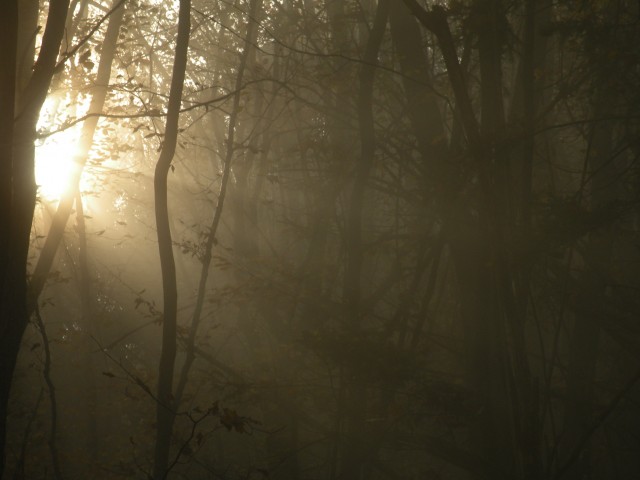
(55, 165)
(57, 155)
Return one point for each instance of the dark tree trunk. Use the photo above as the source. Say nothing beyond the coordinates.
(19, 174)
(590, 312)
(166, 405)
(495, 352)
(356, 439)
(422, 106)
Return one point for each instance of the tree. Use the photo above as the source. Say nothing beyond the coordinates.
(166, 408)
(18, 173)
(403, 236)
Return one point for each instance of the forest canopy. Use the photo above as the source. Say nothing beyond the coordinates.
(319, 239)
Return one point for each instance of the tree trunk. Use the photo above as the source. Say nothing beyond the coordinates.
(222, 195)
(59, 222)
(422, 106)
(585, 333)
(11, 326)
(18, 166)
(355, 438)
(165, 409)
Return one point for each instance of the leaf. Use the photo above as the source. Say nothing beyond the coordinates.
(231, 420)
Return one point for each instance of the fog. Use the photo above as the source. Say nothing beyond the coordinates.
(319, 239)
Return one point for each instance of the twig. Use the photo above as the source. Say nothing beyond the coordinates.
(46, 373)
(86, 38)
(582, 443)
(19, 473)
(185, 444)
(136, 379)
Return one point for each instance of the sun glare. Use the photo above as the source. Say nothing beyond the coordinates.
(54, 165)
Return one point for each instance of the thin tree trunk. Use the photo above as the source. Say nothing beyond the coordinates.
(88, 324)
(59, 222)
(213, 229)
(356, 444)
(53, 402)
(585, 333)
(165, 412)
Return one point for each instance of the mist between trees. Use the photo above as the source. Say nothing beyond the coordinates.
(319, 239)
